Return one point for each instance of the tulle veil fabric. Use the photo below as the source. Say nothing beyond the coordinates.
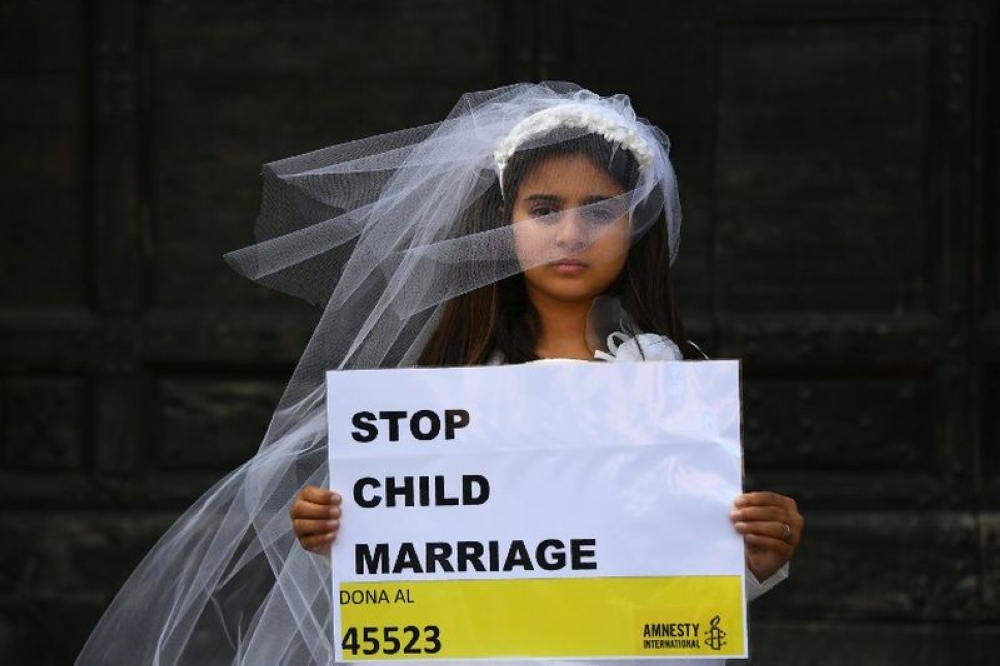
(380, 233)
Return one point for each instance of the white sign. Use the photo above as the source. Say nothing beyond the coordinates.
(545, 510)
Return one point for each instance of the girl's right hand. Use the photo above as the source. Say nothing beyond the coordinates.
(316, 518)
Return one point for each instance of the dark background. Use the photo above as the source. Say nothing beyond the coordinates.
(838, 164)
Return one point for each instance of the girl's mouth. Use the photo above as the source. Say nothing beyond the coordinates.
(569, 266)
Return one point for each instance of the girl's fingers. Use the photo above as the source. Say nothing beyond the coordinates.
(768, 528)
(765, 498)
(317, 495)
(315, 518)
(746, 514)
(760, 541)
(302, 509)
(318, 544)
(306, 527)
(778, 531)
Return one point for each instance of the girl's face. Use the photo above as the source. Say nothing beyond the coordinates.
(558, 211)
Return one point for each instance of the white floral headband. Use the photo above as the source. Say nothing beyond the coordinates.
(608, 125)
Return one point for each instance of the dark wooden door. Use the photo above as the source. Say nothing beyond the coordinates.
(839, 165)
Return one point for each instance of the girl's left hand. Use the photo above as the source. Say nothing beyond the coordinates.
(771, 526)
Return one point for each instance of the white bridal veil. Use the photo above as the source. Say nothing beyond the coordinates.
(380, 233)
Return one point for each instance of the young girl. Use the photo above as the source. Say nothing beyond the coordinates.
(567, 193)
(535, 222)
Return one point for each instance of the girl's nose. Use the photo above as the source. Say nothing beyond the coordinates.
(570, 231)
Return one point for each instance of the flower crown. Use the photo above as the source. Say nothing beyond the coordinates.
(609, 125)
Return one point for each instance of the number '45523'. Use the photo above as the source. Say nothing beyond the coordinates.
(392, 640)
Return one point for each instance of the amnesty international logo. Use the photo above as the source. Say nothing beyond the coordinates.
(706, 632)
(715, 637)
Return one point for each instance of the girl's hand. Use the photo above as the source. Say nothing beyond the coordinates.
(316, 518)
(772, 526)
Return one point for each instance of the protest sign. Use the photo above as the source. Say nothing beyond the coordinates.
(557, 510)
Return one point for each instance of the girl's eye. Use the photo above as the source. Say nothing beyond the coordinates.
(543, 211)
(602, 214)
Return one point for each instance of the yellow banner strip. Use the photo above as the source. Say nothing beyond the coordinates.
(570, 617)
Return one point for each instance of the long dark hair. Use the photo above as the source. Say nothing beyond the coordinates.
(498, 317)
